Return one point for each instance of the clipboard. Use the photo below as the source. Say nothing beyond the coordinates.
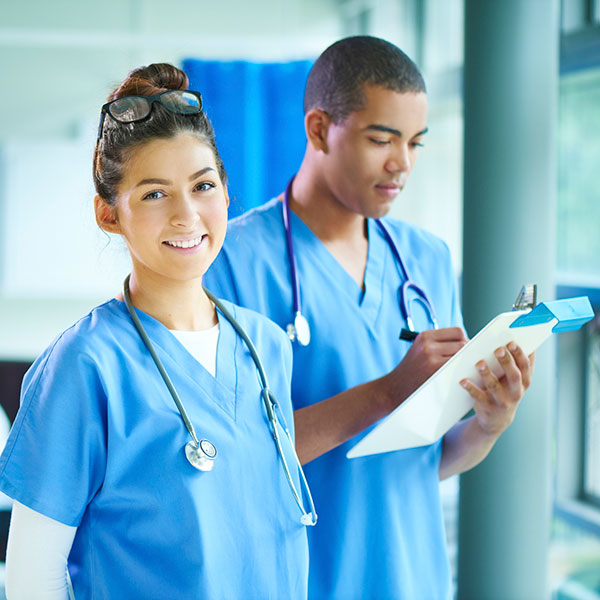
(440, 402)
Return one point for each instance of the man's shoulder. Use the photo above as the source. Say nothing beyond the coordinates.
(262, 218)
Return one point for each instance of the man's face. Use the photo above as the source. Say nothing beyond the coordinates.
(370, 155)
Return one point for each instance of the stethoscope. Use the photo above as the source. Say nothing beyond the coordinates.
(201, 453)
(299, 329)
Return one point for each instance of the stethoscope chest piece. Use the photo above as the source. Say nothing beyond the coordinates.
(201, 455)
(299, 330)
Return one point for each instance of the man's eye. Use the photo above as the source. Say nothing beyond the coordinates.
(379, 142)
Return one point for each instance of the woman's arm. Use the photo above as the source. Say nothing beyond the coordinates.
(36, 556)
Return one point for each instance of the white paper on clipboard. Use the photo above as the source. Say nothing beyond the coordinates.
(440, 402)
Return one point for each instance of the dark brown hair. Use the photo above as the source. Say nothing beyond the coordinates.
(118, 140)
(337, 80)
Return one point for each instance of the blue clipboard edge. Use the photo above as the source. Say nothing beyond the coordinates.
(571, 313)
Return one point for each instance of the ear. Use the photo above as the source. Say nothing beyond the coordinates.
(316, 124)
(106, 215)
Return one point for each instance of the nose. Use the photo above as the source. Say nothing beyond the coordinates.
(399, 160)
(185, 213)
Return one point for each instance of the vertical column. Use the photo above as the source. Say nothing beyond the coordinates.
(511, 87)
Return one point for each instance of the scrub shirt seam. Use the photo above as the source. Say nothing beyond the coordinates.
(41, 506)
(235, 370)
(32, 397)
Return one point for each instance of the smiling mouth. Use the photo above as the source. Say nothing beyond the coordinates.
(185, 243)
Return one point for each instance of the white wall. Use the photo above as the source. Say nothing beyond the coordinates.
(60, 60)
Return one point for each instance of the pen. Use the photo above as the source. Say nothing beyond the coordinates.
(408, 335)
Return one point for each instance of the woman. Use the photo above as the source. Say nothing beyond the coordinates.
(101, 457)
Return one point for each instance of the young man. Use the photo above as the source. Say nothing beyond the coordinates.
(380, 532)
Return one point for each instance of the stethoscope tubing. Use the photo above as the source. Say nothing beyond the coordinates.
(270, 402)
(407, 284)
(271, 406)
(140, 328)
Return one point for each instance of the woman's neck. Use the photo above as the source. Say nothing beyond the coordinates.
(178, 305)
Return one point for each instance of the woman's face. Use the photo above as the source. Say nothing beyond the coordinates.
(172, 209)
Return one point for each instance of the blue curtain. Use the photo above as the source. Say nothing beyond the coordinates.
(256, 110)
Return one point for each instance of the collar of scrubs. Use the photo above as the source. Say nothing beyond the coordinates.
(222, 388)
(308, 247)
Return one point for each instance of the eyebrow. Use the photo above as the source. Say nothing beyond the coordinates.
(393, 131)
(167, 182)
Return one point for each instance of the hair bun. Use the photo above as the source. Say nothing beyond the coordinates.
(153, 79)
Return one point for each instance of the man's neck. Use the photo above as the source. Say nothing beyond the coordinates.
(327, 218)
(343, 232)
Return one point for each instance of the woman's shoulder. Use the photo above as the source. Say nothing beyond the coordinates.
(87, 336)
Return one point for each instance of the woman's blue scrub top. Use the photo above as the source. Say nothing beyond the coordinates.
(380, 533)
(98, 444)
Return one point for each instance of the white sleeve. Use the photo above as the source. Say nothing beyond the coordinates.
(36, 556)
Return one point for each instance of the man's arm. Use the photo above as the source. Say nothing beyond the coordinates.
(495, 405)
(331, 422)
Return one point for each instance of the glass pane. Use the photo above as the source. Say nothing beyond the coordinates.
(574, 562)
(591, 482)
(578, 239)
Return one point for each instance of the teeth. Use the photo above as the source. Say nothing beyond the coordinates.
(185, 243)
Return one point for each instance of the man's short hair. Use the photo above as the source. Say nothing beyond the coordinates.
(337, 79)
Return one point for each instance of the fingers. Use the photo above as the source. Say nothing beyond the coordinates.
(442, 343)
(447, 334)
(475, 392)
(512, 371)
(523, 362)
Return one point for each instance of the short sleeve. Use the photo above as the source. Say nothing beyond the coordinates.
(55, 457)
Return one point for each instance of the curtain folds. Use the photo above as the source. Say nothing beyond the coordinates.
(257, 112)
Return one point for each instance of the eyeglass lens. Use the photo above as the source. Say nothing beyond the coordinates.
(135, 108)
(181, 102)
(129, 109)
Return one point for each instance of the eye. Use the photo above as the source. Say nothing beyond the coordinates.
(204, 186)
(417, 144)
(379, 142)
(155, 195)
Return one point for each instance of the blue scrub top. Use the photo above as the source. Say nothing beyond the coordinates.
(380, 533)
(98, 444)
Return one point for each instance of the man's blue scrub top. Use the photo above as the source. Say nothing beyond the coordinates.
(380, 533)
(99, 444)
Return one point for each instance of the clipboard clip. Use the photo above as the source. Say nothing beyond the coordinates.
(527, 297)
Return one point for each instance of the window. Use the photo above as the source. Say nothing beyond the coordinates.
(575, 549)
(591, 473)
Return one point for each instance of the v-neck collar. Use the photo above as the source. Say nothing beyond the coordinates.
(222, 388)
(368, 302)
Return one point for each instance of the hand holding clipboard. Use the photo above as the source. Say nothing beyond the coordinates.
(440, 402)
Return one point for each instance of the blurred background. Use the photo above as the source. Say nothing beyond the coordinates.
(59, 61)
